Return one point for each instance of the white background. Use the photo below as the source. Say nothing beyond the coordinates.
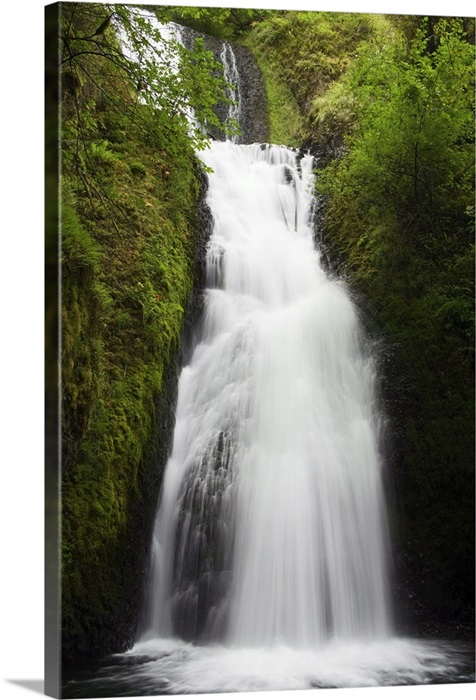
(21, 362)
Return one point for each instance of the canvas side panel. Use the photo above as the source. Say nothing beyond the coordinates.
(52, 328)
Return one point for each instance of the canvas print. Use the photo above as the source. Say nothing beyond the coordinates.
(260, 349)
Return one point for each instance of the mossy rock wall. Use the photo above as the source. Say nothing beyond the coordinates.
(112, 481)
(133, 237)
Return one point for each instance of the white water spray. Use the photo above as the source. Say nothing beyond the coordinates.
(271, 528)
(230, 72)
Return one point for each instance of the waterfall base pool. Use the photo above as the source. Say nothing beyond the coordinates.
(167, 666)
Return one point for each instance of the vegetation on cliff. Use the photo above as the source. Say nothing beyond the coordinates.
(301, 55)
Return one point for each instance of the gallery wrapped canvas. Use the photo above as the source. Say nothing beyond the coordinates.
(259, 361)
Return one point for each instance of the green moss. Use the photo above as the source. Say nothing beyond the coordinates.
(301, 56)
(127, 279)
(125, 289)
(286, 122)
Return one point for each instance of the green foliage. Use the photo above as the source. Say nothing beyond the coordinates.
(139, 75)
(100, 153)
(176, 81)
(314, 48)
(83, 297)
(286, 122)
(414, 142)
(225, 23)
(409, 162)
(401, 220)
(302, 55)
(334, 110)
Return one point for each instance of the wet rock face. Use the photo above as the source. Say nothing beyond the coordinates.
(254, 115)
(254, 110)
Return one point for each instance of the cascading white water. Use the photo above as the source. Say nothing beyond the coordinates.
(271, 525)
(230, 71)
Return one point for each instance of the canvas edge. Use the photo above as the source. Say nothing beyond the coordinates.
(52, 633)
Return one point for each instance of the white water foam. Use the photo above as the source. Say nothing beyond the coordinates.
(177, 667)
(271, 526)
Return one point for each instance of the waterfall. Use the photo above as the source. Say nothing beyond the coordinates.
(232, 77)
(271, 524)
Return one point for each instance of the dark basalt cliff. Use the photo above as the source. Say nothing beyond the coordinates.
(253, 106)
(254, 117)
